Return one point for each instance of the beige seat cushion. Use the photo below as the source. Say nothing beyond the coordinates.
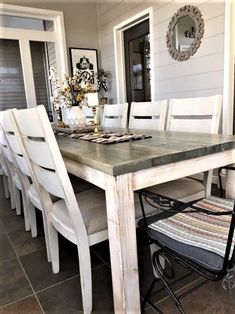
(93, 209)
(185, 189)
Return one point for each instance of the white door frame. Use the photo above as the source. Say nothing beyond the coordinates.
(229, 55)
(24, 36)
(119, 51)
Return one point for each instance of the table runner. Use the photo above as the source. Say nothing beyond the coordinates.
(102, 137)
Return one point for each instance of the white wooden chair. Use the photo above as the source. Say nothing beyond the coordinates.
(10, 171)
(81, 218)
(201, 115)
(89, 114)
(29, 191)
(115, 115)
(148, 115)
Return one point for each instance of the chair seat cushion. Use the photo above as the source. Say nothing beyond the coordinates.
(93, 209)
(181, 189)
(197, 236)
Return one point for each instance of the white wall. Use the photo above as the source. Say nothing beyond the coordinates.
(201, 75)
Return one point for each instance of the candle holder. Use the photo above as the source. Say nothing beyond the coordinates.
(95, 119)
(93, 103)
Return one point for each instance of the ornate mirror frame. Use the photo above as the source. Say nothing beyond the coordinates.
(195, 14)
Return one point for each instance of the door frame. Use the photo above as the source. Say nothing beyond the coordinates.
(229, 58)
(24, 36)
(119, 54)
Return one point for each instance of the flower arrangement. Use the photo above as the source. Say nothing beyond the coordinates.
(72, 91)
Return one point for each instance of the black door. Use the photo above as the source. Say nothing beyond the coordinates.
(137, 62)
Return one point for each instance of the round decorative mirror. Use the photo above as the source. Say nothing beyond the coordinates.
(185, 32)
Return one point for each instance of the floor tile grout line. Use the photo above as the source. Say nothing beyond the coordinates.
(17, 300)
(34, 251)
(57, 283)
(31, 286)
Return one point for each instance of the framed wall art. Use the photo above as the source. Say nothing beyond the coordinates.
(83, 59)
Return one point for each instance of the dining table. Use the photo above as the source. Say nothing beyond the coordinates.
(122, 168)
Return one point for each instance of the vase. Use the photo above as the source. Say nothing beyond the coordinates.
(74, 117)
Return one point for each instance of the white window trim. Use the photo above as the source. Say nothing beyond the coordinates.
(24, 36)
(229, 58)
(119, 51)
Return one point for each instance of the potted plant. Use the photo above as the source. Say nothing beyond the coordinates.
(103, 80)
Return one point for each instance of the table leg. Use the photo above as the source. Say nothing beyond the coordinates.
(122, 243)
(229, 183)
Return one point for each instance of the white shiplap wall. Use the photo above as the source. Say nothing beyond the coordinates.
(201, 75)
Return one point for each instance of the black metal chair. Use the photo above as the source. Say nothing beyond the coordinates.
(199, 236)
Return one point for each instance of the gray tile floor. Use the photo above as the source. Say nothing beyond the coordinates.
(27, 284)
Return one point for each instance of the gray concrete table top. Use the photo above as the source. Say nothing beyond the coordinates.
(164, 147)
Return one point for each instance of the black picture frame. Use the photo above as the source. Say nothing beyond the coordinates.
(84, 58)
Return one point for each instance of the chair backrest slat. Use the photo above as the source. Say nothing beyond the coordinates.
(8, 124)
(49, 180)
(31, 129)
(39, 152)
(115, 115)
(148, 115)
(200, 115)
(23, 165)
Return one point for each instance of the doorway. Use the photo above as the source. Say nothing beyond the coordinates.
(31, 41)
(137, 62)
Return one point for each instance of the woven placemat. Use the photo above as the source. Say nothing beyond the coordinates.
(102, 137)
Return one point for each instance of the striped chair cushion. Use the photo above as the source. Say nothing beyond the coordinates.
(198, 229)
